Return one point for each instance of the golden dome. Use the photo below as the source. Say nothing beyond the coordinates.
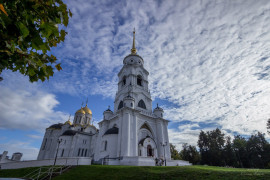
(68, 122)
(87, 110)
(81, 111)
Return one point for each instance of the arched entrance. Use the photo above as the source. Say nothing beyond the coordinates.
(150, 151)
(147, 147)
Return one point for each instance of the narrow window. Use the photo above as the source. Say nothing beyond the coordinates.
(139, 80)
(82, 152)
(120, 105)
(131, 104)
(124, 80)
(105, 146)
(85, 153)
(44, 145)
(79, 151)
(141, 104)
(62, 154)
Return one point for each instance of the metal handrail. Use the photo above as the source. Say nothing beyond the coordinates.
(38, 174)
(48, 172)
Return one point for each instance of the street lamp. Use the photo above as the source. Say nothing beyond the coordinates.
(164, 144)
(58, 142)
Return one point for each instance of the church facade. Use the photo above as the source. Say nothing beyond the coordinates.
(130, 134)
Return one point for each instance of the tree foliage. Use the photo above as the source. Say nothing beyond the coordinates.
(268, 126)
(211, 145)
(174, 153)
(28, 31)
(190, 153)
(218, 150)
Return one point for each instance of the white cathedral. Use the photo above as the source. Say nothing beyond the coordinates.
(131, 134)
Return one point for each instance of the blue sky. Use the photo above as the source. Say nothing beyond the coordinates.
(209, 67)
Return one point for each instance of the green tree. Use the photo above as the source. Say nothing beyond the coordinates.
(257, 154)
(239, 146)
(268, 126)
(28, 31)
(190, 153)
(174, 153)
(211, 145)
(229, 154)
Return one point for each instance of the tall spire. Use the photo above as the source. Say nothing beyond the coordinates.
(86, 101)
(133, 50)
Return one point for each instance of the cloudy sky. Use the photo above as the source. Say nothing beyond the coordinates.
(209, 64)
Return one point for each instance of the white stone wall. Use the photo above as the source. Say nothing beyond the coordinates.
(47, 162)
(49, 150)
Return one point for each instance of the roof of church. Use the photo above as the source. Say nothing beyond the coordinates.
(56, 126)
(113, 130)
(73, 132)
(69, 133)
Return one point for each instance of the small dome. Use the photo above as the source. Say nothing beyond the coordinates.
(108, 110)
(56, 126)
(68, 122)
(113, 130)
(81, 111)
(87, 110)
(133, 59)
(69, 133)
(158, 108)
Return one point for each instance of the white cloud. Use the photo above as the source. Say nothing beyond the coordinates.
(23, 107)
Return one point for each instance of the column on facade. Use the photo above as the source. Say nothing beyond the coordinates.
(160, 137)
(133, 134)
(168, 153)
(125, 136)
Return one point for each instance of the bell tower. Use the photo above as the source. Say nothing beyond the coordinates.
(133, 83)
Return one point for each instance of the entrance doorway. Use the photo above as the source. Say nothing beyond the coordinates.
(150, 152)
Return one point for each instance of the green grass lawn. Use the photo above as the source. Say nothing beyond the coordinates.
(135, 172)
(16, 173)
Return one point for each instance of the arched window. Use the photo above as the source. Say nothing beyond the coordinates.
(62, 154)
(124, 81)
(82, 152)
(105, 146)
(120, 105)
(139, 80)
(79, 151)
(141, 104)
(145, 126)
